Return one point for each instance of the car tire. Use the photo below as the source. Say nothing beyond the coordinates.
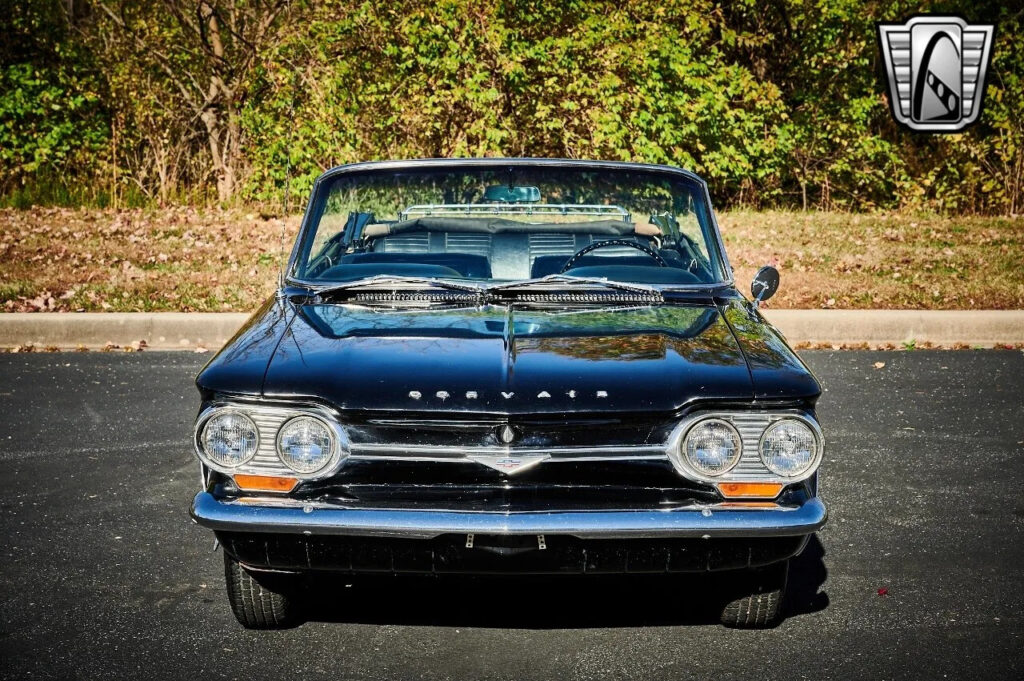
(262, 600)
(758, 598)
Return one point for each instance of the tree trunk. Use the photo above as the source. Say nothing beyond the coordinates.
(222, 170)
(220, 105)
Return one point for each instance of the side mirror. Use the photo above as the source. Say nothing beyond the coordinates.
(765, 284)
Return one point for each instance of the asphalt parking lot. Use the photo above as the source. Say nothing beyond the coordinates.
(919, 574)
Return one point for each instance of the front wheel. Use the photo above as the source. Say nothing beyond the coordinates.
(261, 600)
(757, 598)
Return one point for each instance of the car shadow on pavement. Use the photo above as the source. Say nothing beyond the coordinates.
(550, 602)
(807, 574)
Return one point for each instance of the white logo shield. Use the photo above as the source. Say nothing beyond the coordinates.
(936, 68)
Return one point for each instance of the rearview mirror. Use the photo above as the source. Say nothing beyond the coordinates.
(765, 284)
(501, 193)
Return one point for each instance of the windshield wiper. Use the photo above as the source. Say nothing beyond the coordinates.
(396, 284)
(549, 285)
(559, 282)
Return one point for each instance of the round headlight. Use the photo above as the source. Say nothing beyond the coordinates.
(230, 439)
(788, 448)
(712, 447)
(305, 444)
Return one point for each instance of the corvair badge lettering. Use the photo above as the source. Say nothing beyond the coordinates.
(473, 394)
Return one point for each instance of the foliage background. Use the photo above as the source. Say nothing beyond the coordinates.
(778, 103)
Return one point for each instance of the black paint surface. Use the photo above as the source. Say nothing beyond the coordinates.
(513, 359)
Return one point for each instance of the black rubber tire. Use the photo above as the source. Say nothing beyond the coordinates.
(759, 598)
(262, 600)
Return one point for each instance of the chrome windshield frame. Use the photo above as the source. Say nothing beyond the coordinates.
(716, 243)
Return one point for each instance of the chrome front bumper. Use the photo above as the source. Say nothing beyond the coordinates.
(289, 516)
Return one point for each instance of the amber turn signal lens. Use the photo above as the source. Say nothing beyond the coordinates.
(265, 483)
(749, 490)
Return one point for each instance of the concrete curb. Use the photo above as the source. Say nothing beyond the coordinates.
(881, 327)
(185, 330)
(163, 330)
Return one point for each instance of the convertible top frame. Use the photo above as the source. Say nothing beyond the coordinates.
(527, 209)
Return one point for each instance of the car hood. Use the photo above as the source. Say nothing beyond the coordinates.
(507, 359)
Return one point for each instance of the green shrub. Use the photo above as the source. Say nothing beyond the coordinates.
(777, 104)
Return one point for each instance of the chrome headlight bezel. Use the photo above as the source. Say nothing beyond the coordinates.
(751, 426)
(269, 420)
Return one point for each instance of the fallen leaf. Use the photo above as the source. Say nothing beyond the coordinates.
(883, 591)
(879, 365)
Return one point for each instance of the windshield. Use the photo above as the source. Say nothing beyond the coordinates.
(506, 223)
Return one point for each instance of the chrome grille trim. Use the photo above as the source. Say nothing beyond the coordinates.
(266, 462)
(750, 425)
(378, 452)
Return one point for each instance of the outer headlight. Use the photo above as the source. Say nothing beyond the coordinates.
(788, 448)
(305, 444)
(712, 447)
(230, 439)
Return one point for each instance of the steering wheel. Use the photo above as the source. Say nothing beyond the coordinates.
(612, 242)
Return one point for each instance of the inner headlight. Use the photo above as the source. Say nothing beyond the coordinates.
(788, 448)
(305, 444)
(712, 447)
(230, 439)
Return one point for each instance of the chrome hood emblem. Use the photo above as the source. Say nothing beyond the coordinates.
(506, 434)
(509, 463)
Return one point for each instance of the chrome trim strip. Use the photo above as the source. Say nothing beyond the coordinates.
(454, 453)
(470, 458)
(707, 520)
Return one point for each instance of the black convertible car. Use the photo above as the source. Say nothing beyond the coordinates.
(508, 366)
